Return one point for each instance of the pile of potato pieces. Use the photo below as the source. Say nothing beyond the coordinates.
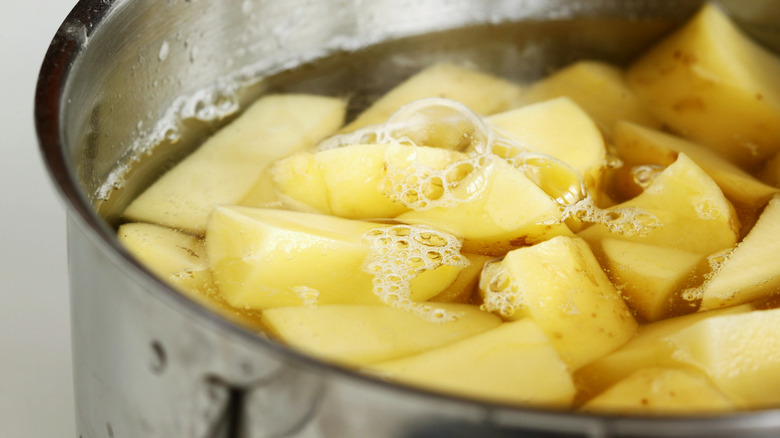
(454, 269)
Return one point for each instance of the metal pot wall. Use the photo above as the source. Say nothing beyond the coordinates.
(126, 77)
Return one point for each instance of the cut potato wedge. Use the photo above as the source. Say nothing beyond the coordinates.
(263, 258)
(360, 335)
(352, 181)
(651, 278)
(225, 168)
(512, 363)
(647, 349)
(752, 270)
(598, 88)
(661, 391)
(560, 285)
(561, 129)
(683, 208)
(713, 85)
(483, 93)
(180, 260)
(739, 353)
(638, 145)
(497, 208)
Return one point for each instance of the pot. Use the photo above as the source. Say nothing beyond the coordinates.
(126, 89)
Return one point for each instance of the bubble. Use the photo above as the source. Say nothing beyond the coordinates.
(717, 259)
(437, 122)
(500, 295)
(421, 187)
(421, 251)
(693, 294)
(626, 221)
(645, 175)
(707, 209)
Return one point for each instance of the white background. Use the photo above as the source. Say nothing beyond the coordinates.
(36, 389)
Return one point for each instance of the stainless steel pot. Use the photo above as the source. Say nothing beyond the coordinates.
(125, 77)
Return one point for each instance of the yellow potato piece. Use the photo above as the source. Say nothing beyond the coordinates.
(598, 88)
(752, 270)
(660, 391)
(712, 84)
(638, 145)
(263, 258)
(561, 129)
(163, 250)
(512, 363)
(481, 92)
(499, 209)
(360, 335)
(352, 181)
(650, 278)
(560, 285)
(739, 353)
(180, 259)
(682, 208)
(647, 349)
(225, 168)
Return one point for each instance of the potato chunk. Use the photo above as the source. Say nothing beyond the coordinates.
(495, 208)
(598, 88)
(712, 84)
(752, 270)
(660, 391)
(560, 285)
(647, 349)
(264, 258)
(483, 93)
(180, 259)
(682, 208)
(638, 145)
(359, 335)
(225, 168)
(512, 363)
(352, 181)
(650, 278)
(740, 354)
(561, 129)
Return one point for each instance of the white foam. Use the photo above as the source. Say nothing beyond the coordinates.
(399, 253)
(500, 295)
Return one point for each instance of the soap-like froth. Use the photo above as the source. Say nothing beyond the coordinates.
(420, 187)
(399, 253)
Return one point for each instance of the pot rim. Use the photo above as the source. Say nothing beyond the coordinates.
(50, 105)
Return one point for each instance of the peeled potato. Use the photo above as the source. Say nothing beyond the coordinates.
(483, 93)
(710, 83)
(598, 88)
(560, 285)
(225, 168)
(512, 363)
